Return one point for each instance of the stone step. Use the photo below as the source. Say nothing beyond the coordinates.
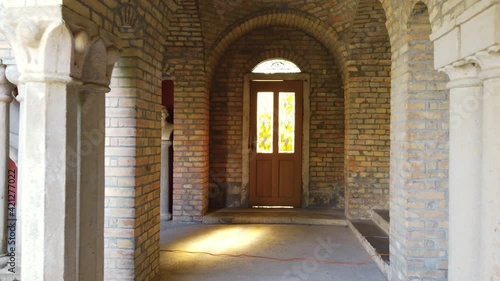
(277, 216)
(382, 219)
(374, 240)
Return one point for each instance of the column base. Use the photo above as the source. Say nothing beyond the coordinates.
(9, 269)
(166, 217)
(3, 261)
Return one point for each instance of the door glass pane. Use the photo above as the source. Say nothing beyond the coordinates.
(265, 106)
(287, 122)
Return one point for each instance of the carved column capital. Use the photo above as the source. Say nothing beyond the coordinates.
(40, 42)
(12, 74)
(95, 51)
(489, 60)
(462, 74)
(53, 44)
(6, 87)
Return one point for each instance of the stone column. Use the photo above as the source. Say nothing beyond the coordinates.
(465, 170)
(6, 89)
(62, 79)
(13, 76)
(490, 188)
(166, 143)
(165, 180)
(91, 184)
(48, 131)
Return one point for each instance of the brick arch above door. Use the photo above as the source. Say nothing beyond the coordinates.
(311, 25)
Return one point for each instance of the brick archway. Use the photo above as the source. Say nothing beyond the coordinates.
(326, 120)
(314, 27)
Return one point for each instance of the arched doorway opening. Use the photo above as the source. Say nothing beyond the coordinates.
(323, 150)
(276, 122)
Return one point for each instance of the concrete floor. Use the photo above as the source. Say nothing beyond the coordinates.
(330, 243)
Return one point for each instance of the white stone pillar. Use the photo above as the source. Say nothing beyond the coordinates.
(91, 184)
(48, 130)
(490, 187)
(13, 76)
(164, 180)
(6, 97)
(61, 83)
(464, 170)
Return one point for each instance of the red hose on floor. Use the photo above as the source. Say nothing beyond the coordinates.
(277, 259)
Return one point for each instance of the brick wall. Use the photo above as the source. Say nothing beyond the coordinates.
(132, 136)
(419, 152)
(185, 66)
(327, 114)
(368, 111)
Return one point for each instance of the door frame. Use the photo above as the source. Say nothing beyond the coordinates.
(306, 121)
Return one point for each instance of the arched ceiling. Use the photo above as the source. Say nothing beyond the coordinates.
(224, 21)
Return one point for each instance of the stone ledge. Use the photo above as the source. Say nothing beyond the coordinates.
(477, 29)
(375, 242)
(277, 216)
(379, 217)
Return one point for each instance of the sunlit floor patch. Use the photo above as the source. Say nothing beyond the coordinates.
(230, 238)
(332, 243)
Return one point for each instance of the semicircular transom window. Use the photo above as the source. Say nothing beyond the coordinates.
(276, 66)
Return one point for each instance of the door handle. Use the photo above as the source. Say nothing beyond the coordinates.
(251, 144)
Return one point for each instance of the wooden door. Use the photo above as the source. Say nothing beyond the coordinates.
(276, 143)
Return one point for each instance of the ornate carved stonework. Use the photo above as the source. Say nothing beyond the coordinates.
(58, 45)
(6, 87)
(128, 19)
(489, 60)
(462, 74)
